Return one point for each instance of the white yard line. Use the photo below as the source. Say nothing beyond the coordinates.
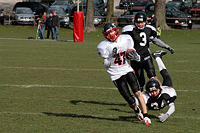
(40, 68)
(66, 86)
(65, 69)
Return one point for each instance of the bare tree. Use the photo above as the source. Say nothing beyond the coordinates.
(90, 17)
(160, 14)
(110, 11)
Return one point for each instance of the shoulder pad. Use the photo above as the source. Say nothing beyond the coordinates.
(150, 26)
(169, 90)
(128, 28)
(101, 48)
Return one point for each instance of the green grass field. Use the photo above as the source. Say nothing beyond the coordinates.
(59, 86)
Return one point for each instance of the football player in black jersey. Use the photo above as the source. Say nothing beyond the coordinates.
(142, 34)
(158, 96)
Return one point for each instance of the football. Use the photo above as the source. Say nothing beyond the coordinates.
(128, 51)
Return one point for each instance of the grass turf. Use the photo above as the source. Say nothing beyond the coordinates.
(58, 86)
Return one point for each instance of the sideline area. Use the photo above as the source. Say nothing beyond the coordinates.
(36, 39)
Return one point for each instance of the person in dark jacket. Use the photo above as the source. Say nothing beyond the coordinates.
(49, 24)
(41, 26)
(55, 25)
(153, 20)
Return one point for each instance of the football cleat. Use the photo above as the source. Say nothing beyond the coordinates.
(159, 53)
(139, 115)
(147, 121)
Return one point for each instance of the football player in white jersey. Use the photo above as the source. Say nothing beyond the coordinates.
(158, 96)
(141, 34)
(113, 51)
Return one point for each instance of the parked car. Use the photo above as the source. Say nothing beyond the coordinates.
(23, 15)
(67, 5)
(126, 4)
(182, 6)
(195, 10)
(105, 3)
(139, 5)
(64, 17)
(150, 1)
(2, 16)
(190, 3)
(151, 6)
(127, 17)
(36, 7)
(97, 3)
(99, 16)
(178, 19)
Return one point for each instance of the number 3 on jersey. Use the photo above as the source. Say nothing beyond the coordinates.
(144, 39)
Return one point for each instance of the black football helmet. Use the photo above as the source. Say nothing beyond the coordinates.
(110, 32)
(152, 85)
(139, 18)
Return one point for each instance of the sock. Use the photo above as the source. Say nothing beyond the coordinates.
(145, 115)
(160, 64)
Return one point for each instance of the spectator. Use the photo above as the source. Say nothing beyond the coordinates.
(55, 20)
(43, 29)
(41, 22)
(45, 15)
(153, 20)
(149, 20)
(49, 25)
(158, 32)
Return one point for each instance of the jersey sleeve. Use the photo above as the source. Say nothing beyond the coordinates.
(153, 31)
(101, 48)
(130, 42)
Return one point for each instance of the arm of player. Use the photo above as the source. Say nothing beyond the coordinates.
(133, 55)
(107, 62)
(163, 117)
(161, 44)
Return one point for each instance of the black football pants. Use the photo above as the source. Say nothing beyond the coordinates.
(139, 67)
(122, 85)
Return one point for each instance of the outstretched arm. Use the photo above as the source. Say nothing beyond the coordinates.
(161, 44)
(163, 117)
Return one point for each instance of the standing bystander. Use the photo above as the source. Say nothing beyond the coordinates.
(49, 25)
(153, 20)
(55, 25)
(41, 22)
(158, 32)
(44, 27)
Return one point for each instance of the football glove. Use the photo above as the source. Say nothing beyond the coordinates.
(163, 117)
(134, 56)
(114, 52)
(171, 50)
